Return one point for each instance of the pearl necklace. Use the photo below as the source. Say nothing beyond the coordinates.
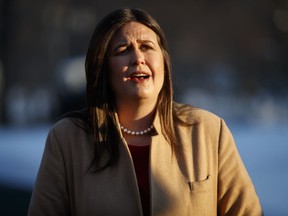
(136, 133)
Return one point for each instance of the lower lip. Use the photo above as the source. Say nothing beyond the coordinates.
(139, 80)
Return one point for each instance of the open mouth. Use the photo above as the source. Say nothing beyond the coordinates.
(139, 77)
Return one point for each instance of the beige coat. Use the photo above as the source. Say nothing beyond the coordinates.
(209, 177)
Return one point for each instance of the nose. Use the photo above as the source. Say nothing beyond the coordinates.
(137, 57)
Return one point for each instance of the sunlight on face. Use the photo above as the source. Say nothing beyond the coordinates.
(136, 63)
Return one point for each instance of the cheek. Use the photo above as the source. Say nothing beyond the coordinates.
(157, 62)
(117, 67)
(116, 74)
(161, 70)
(112, 66)
(162, 74)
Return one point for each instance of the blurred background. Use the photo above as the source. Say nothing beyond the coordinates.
(229, 57)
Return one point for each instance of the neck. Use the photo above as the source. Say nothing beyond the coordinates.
(136, 116)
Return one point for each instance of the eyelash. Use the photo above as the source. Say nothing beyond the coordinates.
(147, 47)
(143, 47)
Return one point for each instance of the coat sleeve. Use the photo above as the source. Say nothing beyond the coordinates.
(236, 193)
(50, 194)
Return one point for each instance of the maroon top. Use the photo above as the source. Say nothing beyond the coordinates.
(140, 155)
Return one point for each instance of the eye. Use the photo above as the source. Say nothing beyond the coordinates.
(122, 50)
(146, 47)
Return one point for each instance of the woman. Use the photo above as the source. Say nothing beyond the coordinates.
(134, 151)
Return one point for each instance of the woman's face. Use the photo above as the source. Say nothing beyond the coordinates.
(136, 64)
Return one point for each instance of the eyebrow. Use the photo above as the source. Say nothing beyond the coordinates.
(125, 43)
(145, 41)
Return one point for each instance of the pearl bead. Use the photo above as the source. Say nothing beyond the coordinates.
(136, 133)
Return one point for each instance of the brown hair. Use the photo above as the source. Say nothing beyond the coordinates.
(100, 99)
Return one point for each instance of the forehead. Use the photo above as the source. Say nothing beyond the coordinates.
(135, 31)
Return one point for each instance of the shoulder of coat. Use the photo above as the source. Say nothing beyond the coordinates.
(193, 115)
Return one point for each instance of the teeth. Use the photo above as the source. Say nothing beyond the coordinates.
(140, 75)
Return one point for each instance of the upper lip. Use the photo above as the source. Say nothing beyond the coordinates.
(139, 73)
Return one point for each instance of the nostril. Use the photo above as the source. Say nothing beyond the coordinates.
(137, 61)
